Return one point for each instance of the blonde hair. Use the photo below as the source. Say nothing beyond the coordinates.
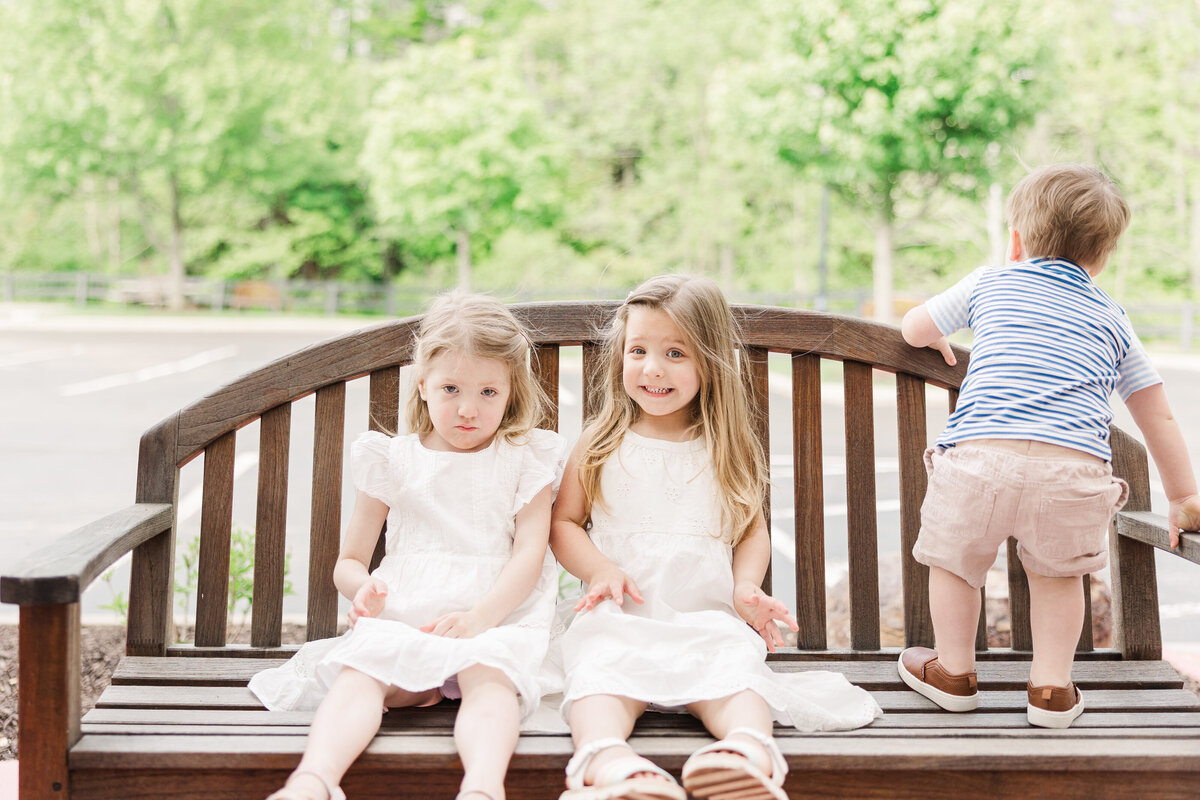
(1071, 211)
(483, 327)
(720, 412)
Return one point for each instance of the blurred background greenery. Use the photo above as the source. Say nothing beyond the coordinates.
(796, 149)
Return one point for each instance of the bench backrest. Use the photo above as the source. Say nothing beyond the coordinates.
(808, 339)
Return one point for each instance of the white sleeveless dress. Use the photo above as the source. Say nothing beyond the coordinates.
(449, 534)
(686, 643)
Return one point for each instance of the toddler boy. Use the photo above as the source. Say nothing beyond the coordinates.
(1026, 452)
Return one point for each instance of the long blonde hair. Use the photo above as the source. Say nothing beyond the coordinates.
(720, 411)
(480, 326)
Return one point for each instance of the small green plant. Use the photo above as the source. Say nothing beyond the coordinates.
(119, 604)
(241, 577)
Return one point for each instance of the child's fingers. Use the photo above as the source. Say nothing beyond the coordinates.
(632, 590)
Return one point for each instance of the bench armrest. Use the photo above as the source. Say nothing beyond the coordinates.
(60, 571)
(1151, 529)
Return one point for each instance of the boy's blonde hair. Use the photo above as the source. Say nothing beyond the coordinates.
(720, 413)
(480, 326)
(1071, 211)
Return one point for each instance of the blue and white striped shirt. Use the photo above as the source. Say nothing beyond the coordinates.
(1050, 347)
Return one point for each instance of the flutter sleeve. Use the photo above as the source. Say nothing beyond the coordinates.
(372, 468)
(543, 456)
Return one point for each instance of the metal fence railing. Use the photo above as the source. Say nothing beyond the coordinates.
(1153, 321)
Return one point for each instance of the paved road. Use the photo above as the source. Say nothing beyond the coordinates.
(80, 390)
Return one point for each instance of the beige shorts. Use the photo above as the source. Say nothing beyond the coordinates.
(1055, 501)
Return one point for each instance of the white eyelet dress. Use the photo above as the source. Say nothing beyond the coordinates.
(661, 525)
(449, 534)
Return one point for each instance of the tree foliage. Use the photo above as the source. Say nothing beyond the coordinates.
(584, 144)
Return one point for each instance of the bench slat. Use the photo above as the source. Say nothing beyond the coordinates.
(270, 527)
(911, 433)
(898, 701)
(861, 521)
(216, 521)
(545, 367)
(809, 498)
(754, 363)
(1068, 753)
(384, 416)
(869, 674)
(325, 534)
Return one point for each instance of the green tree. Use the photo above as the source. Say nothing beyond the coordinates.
(459, 150)
(194, 111)
(889, 100)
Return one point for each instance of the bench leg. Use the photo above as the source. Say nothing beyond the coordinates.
(48, 698)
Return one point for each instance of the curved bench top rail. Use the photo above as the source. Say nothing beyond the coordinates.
(360, 352)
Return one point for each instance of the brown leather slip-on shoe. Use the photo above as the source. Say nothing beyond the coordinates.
(919, 668)
(1053, 706)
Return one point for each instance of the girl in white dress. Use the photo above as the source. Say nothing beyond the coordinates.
(661, 503)
(462, 603)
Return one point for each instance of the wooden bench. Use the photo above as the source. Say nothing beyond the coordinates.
(178, 721)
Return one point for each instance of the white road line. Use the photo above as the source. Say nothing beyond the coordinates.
(190, 505)
(37, 356)
(149, 373)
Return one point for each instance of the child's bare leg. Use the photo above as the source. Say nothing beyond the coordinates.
(486, 729)
(746, 709)
(344, 724)
(604, 716)
(1055, 619)
(954, 608)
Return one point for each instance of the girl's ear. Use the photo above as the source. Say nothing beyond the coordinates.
(421, 390)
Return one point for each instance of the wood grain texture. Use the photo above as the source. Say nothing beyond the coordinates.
(152, 573)
(809, 495)
(754, 365)
(1137, 631)
(384, 417)
(910, 424)
(861, 521)
(1151, 529)
(270, 526)
(216, 521)
(593, 379)
(60, 571)
(1009, 674)
(1018, 599)
(325, 536)
(545, 367)
(48, 700)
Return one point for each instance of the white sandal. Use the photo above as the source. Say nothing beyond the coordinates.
(335, 792)
(614, 780)
(734, 768)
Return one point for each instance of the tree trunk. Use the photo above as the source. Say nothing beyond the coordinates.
(175, 266)
(882, 267)
(462, 257)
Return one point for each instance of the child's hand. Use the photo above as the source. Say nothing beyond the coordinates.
(1184, 513)
(369, 600)
(457, 625)
(760, 611)
(609, 582)
(942, 345)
